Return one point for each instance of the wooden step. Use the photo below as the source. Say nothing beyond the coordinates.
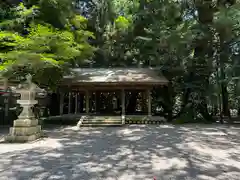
(100, 121)
(101, 125)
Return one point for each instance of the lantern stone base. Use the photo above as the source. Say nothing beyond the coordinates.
(22, 139)
(24, 131)
(25, 123)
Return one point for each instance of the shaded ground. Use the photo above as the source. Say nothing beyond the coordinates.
(137, 152)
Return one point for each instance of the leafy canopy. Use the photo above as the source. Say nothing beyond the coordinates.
(43, 48)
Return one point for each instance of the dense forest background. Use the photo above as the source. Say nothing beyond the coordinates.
(194, 43)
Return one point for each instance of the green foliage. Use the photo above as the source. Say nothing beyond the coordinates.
(187, 40)
(195, 45)
(44, 49)
(122, 23)
(18, 17)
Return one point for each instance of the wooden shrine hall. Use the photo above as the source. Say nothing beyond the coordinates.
(108, 91)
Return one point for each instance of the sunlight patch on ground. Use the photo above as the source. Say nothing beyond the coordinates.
(204, 149)
(43, 143)
(214, 133)
(130, 131)
(163, 163)
(74, 128)
(204, 177)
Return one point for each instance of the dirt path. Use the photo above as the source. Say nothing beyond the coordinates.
(137, 152)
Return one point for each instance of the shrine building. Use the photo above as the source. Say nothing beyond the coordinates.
(109, 92)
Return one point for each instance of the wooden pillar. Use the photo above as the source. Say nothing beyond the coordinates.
(149, 100)
(6, 98)
(61, 103)
(76, 102)
(87, 102)
(98, 95)
(5, 84)
(123, 105)
(69, 102)
(95, 99)
(144, 103)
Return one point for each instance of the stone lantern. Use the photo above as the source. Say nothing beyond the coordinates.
(26, 127)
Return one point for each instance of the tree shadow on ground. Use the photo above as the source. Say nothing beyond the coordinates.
(136, 152)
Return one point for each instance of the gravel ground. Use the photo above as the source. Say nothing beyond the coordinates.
(136, 152)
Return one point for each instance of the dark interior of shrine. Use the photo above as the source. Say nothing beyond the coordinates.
(104, 102)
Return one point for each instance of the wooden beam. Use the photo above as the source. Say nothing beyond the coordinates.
(131, 83)
(102, 88)
(118, 86)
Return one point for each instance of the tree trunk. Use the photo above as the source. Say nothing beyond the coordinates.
(167, 93)
(203, 54)
(223, 84)
(204, 111)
